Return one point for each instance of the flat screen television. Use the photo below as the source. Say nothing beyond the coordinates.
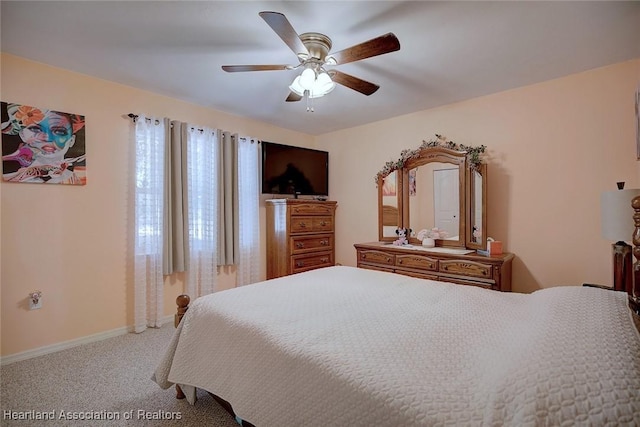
(294, 170)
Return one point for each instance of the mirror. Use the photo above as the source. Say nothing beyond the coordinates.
(435, 187)
(435, 195)
(389, 208)
(439, 184)
(477, 224)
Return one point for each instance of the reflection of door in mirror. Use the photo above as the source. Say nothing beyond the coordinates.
(388, 194)
(446, 201)
(437, 198)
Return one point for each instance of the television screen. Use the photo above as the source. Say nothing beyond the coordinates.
(294, 170)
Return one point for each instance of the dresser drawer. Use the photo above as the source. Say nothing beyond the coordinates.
(466, 268)
(376, 257)
(303, 244)
(301, 224)
(306, 262)
(311, 209)
(417, 261)
(323, 223)
(311, 224)
(376, 267)
(418, 275)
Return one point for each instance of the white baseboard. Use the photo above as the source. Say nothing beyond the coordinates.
(41, 351)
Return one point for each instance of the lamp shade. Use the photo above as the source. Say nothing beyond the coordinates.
(617, 214)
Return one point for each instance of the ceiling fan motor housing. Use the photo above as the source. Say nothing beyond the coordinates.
(317, 44)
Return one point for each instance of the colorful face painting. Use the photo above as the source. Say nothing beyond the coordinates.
(42, 146)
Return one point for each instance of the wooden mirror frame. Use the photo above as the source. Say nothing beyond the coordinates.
(382, 209)
(481, 244)
(441, 155)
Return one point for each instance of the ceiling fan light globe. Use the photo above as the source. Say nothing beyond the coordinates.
(322, 86)
(296, 87)
(323, 79)
(319, 91)
(307, 78)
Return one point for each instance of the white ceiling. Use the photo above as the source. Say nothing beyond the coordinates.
(450, 51)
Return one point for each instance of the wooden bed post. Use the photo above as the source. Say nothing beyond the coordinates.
(183, 305)
(634, 292)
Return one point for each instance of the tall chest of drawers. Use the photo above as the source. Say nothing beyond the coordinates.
(300, 235)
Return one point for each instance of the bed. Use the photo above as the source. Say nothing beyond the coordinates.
(345, 346)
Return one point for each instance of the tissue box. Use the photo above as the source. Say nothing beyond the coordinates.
(494, 247)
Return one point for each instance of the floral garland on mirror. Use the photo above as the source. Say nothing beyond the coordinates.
(474, 155)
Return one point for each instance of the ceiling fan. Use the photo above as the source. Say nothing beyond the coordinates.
(313, 52)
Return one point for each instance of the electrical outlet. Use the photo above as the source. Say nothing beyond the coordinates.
(35, 306)
(35, 300)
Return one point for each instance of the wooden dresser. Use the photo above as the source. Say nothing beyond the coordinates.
(488, 272)
(300, 235)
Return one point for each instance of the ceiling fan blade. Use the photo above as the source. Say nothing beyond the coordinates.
(293, 97)
(279, 23)
(374, 47)
(241, 68)
(354, 83)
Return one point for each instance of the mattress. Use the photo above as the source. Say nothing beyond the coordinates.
(346, 346)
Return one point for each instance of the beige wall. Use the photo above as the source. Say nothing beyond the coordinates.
(553, 148)
(71, 242)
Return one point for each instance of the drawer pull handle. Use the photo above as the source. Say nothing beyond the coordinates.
(303, 225)
(363, 256)
(323, 223)
(300, 264)
(324, 242)
(324, 259)
(300, 245)
(399, 261)
(388, 259)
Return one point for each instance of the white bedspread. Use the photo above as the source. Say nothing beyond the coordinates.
(343, 346)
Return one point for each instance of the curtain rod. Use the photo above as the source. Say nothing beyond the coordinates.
(134, 117)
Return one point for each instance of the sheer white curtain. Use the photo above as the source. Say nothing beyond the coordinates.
(202, 190)
(150, 144)
(248, 268)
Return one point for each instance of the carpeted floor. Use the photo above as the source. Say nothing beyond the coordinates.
(107, 379)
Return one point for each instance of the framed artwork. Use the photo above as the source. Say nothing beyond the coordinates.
(42, 146)
(389, 185)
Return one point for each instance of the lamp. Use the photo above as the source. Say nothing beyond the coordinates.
(618, 226)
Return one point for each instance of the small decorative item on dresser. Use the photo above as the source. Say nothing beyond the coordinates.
(428, 242)
(403, 236)
(427, 237)
(494, 247)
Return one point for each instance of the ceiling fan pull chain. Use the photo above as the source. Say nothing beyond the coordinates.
(309, 102)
